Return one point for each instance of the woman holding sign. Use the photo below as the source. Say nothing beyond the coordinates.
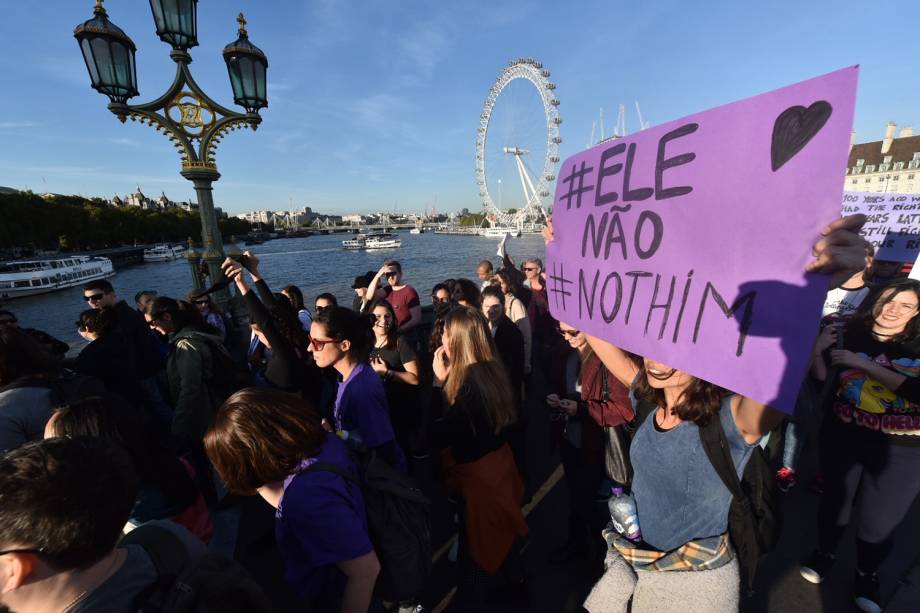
(679, 484)
(870, 447)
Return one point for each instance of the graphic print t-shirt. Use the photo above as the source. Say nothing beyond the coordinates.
(865, 402)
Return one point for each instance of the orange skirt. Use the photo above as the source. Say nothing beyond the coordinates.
(492, 489)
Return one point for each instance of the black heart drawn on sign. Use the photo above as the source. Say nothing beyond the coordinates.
(794, 128)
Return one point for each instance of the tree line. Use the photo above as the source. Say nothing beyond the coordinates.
(75, 223)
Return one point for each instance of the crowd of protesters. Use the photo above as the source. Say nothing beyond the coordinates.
(140, 450)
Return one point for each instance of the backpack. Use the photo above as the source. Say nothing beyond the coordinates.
(226, 375)
(398, 518)
(210, 584)
(755, 515)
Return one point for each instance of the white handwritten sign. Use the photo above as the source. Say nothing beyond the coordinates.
(893, 225)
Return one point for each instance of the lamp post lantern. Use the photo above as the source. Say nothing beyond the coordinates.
(190, 119)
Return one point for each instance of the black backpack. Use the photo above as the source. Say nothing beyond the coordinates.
(398, 518)
(212, 583)
(755, 516)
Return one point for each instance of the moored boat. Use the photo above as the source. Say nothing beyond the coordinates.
(29, 277)
(162, 253)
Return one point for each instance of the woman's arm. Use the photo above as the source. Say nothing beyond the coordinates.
(410, 376)
(753, 418)
(615, 359)
(887, 377)
(361, 576)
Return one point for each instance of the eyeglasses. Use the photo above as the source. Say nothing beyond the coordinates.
(569, 333)
(437, 300)
(93, 297)
(319, 345)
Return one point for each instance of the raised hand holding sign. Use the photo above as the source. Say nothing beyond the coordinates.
(688, 243)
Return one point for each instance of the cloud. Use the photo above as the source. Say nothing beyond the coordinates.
(124, 142)
(381, 111)
(425, 45)
(16, 125)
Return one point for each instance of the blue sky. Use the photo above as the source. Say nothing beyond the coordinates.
(374, 105)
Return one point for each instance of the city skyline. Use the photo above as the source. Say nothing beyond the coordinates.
(375, 108)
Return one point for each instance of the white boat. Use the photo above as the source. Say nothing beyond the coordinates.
(376, 240)
(29, 277)
(499, 232)
(416, 231)
(379, 242)
(162, 253)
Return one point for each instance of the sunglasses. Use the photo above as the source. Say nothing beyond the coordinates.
(529, 268)
(319, 345)
(391, 274)
(569, 333)
(93, 297)
(320, 309)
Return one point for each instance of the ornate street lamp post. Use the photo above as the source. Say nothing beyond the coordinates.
(189, 118)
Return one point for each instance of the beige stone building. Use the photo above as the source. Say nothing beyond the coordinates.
(889, 165)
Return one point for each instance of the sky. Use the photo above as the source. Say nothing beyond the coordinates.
(374, 104)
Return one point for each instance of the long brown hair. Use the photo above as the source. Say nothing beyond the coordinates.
(699, 401)
(873, 304)
(473, 362)
(261, 436)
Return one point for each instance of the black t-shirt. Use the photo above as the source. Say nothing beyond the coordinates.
(465, 427)
(865, 402)
(395, 357)
(402, 398)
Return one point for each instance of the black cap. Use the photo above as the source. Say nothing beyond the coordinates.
(361, 281)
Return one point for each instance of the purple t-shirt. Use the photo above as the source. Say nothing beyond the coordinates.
(321, 521)
(361, 404)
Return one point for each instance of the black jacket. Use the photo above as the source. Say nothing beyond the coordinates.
(510, 345)
(148, 359)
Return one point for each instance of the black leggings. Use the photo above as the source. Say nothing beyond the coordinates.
(864, 468)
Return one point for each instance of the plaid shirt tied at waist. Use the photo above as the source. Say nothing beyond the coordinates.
(701, 554)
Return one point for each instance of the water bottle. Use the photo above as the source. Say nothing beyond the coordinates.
(623, 514)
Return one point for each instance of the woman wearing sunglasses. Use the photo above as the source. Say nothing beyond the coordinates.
(209, 311)
(340, 338)
(585, 400)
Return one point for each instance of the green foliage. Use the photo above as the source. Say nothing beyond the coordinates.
(473, 219)
(74, 222)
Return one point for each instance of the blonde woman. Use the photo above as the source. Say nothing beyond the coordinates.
(479, 464)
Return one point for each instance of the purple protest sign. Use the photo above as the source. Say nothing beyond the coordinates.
(687, 242)
(892, 223)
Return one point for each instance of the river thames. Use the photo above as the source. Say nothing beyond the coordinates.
(316, 264)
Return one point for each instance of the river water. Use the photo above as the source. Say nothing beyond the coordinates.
(316, 264)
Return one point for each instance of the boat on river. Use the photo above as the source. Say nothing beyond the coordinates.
(499, 232)
(29, 277)
(163, 253)
(376, 240)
